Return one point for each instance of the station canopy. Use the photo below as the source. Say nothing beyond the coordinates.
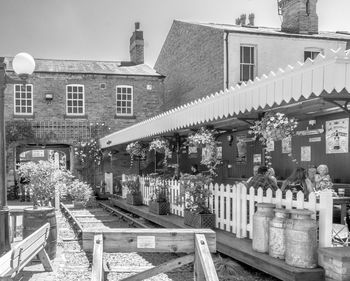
(304, 90)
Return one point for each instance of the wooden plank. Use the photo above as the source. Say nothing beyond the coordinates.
(5, 264)
(164, 267)
(204, 268)
(44, 258)
(241, 250)
(97, 263)
(71, 216)
(149, 240)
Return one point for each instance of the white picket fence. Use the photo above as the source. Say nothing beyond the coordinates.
(234, 206)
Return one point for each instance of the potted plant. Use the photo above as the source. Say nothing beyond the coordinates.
(45, 181)
(158, 203)
(196, 193)
(133, 196)
(80, 193)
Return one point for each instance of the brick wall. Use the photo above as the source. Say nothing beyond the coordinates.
(297, 18)
(192, 59)
(100, 104)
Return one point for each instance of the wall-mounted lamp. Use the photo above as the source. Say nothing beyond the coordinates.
(48, 97)
(312, 122)
(230, 139)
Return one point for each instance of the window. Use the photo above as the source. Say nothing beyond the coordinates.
(312, 53)
(247, 63)
(23, 99)
(124, 100)
(75, 100)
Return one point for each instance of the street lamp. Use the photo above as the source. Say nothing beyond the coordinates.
(23, 64)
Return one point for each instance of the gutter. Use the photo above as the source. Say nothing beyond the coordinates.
(227, 59)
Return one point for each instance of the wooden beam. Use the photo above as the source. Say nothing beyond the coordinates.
(97, 264)
(149, 240)
(164, 267)
(204, 269)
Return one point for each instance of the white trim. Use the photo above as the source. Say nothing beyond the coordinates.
(294, 82)
(131, 101)
(75, 114)
(14, 100)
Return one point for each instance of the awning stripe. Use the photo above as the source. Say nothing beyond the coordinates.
(293, 82)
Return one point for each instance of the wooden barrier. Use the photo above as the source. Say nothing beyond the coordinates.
(197, 243)
(149, 240)
(13, 261)
(97, 265)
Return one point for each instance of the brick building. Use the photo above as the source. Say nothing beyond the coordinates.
(64, 99)
(203, 58)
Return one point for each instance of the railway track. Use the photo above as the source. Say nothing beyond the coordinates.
(117, 266)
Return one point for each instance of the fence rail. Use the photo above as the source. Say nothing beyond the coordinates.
(234, 206)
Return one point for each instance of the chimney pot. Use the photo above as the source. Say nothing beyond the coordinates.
(137, 45)
(137, 25)
(243, 19)
(251, 18)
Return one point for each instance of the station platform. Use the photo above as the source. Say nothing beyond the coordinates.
(227, 243)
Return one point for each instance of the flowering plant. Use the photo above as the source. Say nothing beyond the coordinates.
(80, 191)
(196, 192)
(133, 186)
(161, 145)
(160, 192)
(205, 138)
(273, 127)
(136, 149)
(88, 153)
(44, 179)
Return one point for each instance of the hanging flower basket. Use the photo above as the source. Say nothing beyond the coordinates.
(273, 127)
(205, 139)
(136, 150)
(161, 145)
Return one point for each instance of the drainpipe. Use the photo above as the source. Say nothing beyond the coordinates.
(227, 62)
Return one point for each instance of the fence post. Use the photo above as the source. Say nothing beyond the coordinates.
(326, 218)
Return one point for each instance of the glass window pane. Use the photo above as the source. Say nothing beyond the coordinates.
(128, 110)
(118, 103)
(74, 103)
(124, 90)
(69, 110)
(23, 95)
(18, 95)
(80, 103)
(74, 110)
(69, 103)
(18, 102)
(80, 96)
(119, 96)
(129, 91)
(80, 109)
(128, 104)
(29, 109)
(23, 102)
(18, 109)
(129, 97)
(29, 102)
(123, 110)
(17, 88)
(123, 97)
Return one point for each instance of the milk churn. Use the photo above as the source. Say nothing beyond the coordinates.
(301, 243)
(277, 241)
(261, 220)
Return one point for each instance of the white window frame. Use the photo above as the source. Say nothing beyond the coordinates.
(121, 100)
(254, 64)
(78, 113)
(313, 50)
(20, 99)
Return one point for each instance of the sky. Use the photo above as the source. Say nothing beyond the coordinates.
(101, 29)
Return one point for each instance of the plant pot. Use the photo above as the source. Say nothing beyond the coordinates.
(33, 219)
(77, 204)
(134, 199)
(199, 220)
(159, 208)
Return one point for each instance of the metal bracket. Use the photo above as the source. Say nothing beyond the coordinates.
(249, 121)
(336, 101)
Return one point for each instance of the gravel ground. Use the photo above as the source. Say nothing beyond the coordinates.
(73, 264)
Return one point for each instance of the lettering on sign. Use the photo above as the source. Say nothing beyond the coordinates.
(146, 242)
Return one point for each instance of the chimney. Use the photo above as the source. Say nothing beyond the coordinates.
(299, 16)
(251, 18)
(137, 45)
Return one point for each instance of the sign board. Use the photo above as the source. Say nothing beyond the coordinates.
(38, 153)
(109, 182)
(146, 242)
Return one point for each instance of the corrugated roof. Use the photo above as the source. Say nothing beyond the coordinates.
(341, 35)
(92, 67)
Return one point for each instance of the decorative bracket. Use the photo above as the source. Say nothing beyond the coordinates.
(336, 101)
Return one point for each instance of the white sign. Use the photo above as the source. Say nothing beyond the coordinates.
(337, 136)
(305, 153)
(109, 182)
(146, 242)
(38, 153)
(316, 139)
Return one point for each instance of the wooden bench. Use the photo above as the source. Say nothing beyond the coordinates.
(22, 253)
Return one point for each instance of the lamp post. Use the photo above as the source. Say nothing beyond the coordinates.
(23, 64)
